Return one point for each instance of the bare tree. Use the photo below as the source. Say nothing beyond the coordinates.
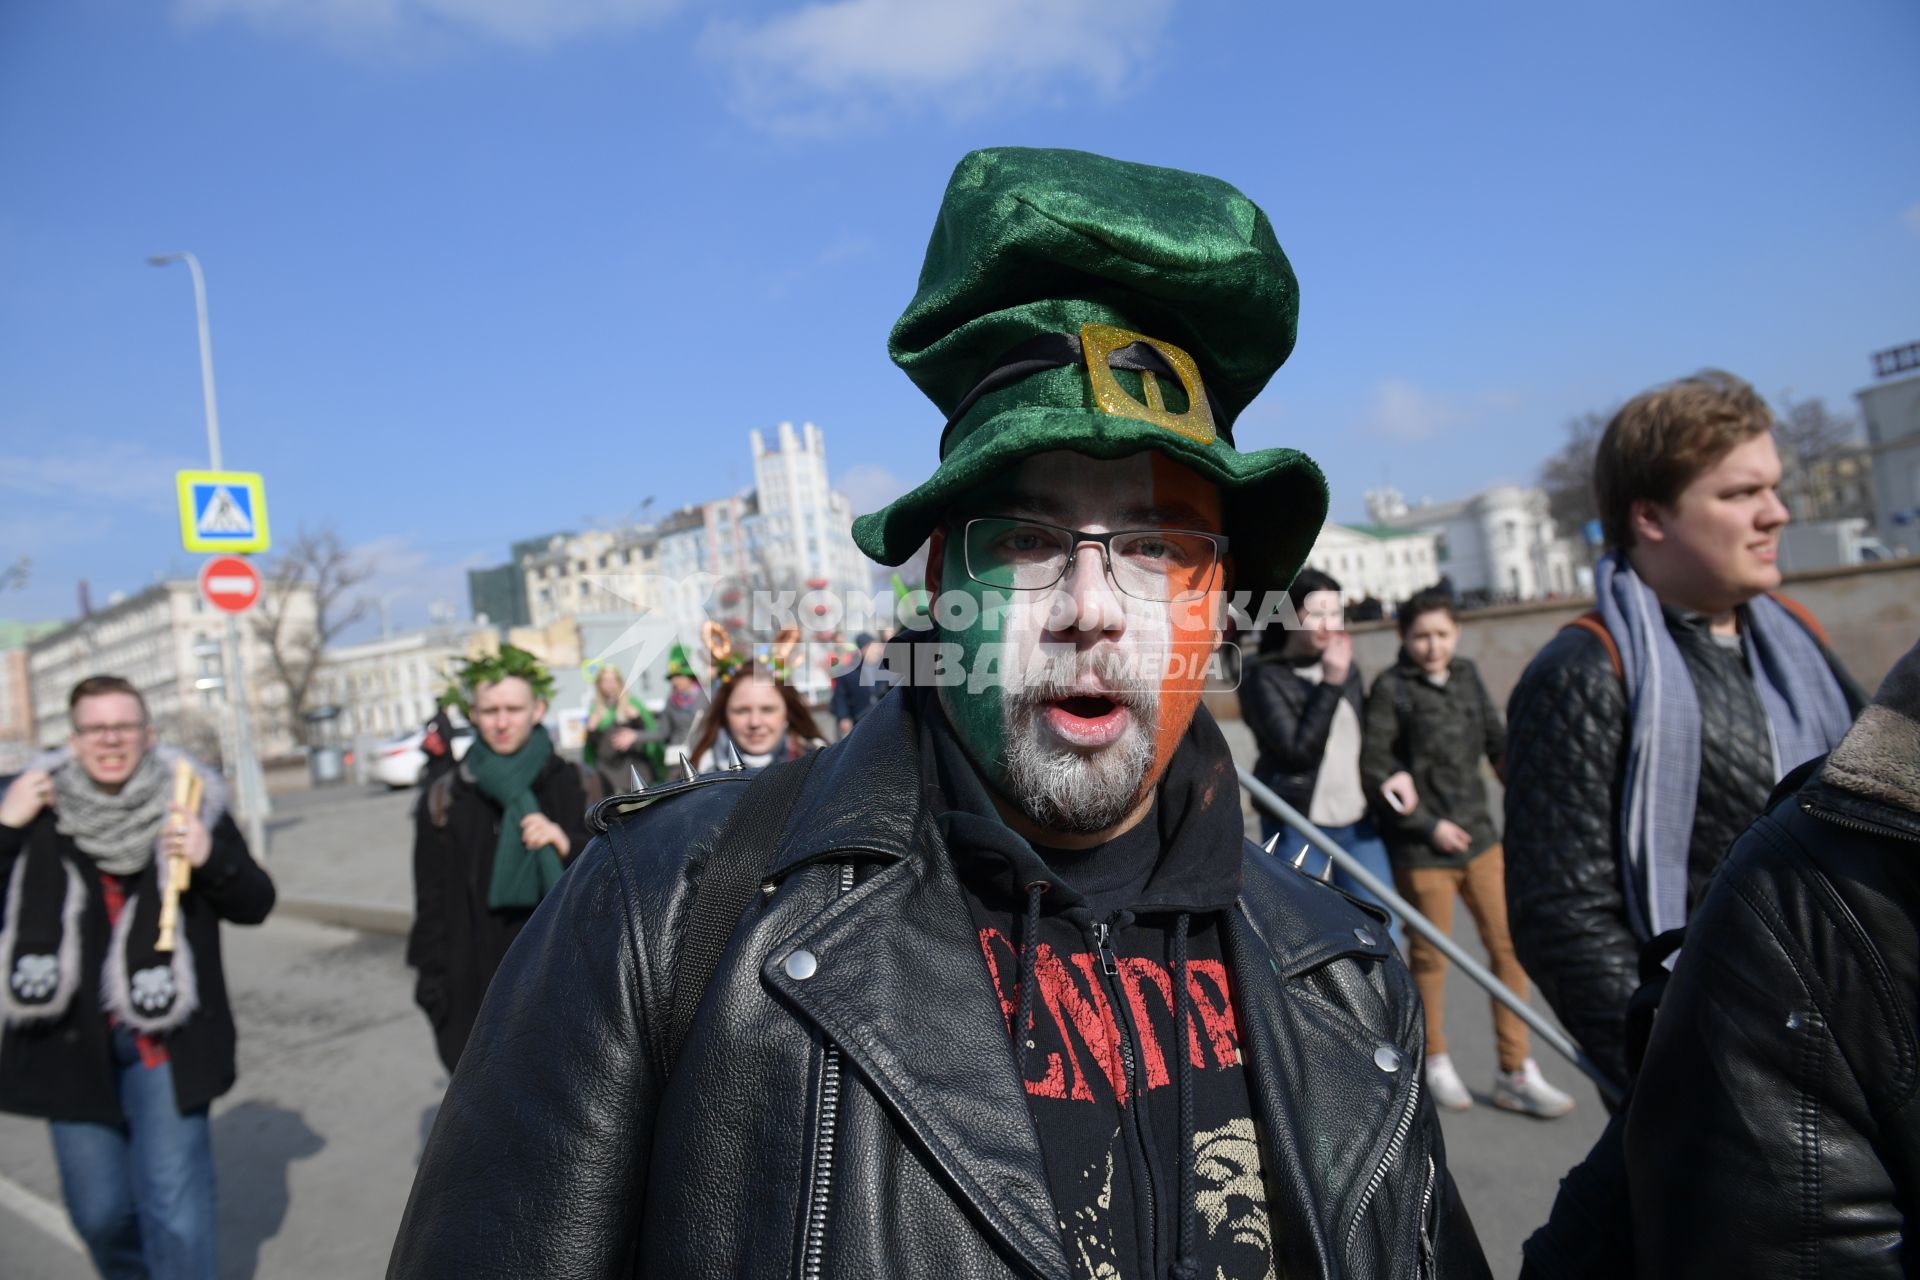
(1567, 475)
(14, 576)
(1808, 431)
(316, 567)
(1818, 480)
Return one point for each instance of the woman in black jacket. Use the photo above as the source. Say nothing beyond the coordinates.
(120, 1042)
(1302, 699)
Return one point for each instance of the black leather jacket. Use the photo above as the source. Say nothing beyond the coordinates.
(1774, 1130)
(1567, 726)
(866, 1120)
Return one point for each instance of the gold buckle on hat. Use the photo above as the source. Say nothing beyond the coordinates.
(1098, 342)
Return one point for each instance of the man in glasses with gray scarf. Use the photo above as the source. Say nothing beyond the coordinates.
(118, 1039)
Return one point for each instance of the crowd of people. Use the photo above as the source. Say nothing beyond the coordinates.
(995, 984)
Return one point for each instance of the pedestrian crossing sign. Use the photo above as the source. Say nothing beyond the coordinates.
(222, 511)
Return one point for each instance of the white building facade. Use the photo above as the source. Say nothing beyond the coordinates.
(1499, 545)
(390, 686)
(169, 643)
(1377, 562)
(791, 533)
(1891, 410)
(599, 571)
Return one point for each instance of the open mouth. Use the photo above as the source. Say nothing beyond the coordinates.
(1088, 720)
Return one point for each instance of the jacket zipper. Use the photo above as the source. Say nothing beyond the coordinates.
(1400, 1131)
(1426, 1224)
(813, 1256)
(1102, 939)
(1856, 824)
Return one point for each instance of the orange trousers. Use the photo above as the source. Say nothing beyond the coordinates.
(1482, 884)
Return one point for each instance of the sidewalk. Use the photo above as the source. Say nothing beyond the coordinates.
(344, 855)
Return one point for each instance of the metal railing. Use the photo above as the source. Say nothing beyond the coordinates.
(1553, 1036)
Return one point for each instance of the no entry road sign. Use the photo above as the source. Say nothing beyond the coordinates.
(230, 583)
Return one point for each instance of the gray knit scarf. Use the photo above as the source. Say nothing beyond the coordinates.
(121, 832)
(1806, 713)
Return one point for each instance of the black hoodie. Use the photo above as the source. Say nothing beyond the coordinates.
(1116, 926)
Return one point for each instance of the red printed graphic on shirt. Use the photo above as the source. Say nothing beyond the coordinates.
(1076, 1032)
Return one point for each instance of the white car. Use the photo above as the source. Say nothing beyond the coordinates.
(401, 762)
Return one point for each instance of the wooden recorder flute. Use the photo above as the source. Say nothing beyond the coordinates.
(178, 871)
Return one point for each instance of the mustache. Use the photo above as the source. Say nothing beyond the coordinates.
(1070, 673)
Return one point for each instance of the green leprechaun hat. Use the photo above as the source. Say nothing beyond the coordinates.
(1071, 301)
(678, 663)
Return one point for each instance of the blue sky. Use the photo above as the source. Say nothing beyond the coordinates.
(479, 269)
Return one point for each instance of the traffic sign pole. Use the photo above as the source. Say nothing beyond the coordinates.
(250, 784)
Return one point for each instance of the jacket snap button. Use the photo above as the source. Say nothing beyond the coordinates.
(801, 965)
(1387, 1058)
(1366, 939)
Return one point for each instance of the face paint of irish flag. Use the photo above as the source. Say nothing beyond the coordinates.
(1071, 699)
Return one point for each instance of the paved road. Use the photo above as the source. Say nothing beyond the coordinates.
(317, 1144)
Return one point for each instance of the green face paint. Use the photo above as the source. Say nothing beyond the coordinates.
(1151, 653)
(977, 707)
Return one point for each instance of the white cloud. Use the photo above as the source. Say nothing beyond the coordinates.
(833, 259)
(122, 473)
(837, 64)
(870, 487)
(409, 25)
(411, 583)
(1403, 412)
(1911, 216)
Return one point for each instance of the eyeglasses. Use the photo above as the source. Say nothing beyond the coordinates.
(101, 732)
(1148, 564)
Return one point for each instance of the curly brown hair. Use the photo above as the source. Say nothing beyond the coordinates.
(1661, 439)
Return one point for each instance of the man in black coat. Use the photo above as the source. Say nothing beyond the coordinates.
(121, 1040)
(1772, 1131)
(995, 986)
(490, 838)
(1645, 738)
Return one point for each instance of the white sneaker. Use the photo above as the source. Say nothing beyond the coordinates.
(1444, 1083)
(1528, 1092)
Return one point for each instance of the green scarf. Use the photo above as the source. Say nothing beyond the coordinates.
(654, 753)
(521, 876)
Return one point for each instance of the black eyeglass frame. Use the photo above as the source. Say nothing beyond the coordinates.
(1082, 537)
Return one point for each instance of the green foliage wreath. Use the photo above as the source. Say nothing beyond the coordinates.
(493, 668)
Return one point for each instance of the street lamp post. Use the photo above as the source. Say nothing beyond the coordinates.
(249, 784)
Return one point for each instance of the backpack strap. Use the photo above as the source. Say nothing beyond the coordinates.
(1805, 617)
(727, 885)
(1594, 625)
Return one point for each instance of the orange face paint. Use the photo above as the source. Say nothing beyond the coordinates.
(1193, 625)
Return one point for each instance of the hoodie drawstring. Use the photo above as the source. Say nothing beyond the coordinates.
(1029, 950)
(1185, 1265)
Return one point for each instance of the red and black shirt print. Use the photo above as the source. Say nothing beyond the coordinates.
(1101, 1068)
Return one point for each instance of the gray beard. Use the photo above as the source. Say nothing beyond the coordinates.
(1071, 791)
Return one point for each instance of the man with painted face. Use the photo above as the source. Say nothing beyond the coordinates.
(1004, 991)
